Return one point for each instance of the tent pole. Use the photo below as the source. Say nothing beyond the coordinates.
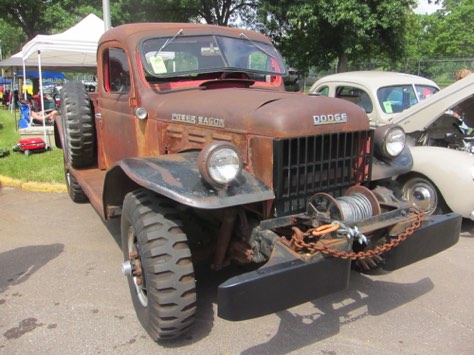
(106, 11)
(40, 76)
(25, 96)
(19, 90)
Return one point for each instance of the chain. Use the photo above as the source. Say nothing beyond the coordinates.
(324, 245)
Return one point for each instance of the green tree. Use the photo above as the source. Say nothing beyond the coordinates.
(217, 12)
(451, 31)
(20, 21)
(223, 12)
(44, 16)
(11, 39)
(125, 11)
(320, 33)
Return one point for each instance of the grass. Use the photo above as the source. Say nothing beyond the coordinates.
(38, 167)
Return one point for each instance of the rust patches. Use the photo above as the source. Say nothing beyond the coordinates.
(167, 176)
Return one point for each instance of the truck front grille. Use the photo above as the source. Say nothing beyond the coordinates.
(327, 163)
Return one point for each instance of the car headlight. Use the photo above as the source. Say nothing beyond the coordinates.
(219, 164)
(389, 141)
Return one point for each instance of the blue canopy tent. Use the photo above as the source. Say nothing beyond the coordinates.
(44, 75)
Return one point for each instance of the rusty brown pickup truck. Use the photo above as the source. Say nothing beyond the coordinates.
(193, 142)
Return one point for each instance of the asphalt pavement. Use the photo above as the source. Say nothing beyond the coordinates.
(62, 292)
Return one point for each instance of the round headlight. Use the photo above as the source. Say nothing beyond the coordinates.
(389, 141)
(219, 164)
(395, 141)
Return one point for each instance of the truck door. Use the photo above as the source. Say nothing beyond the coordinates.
(117, 119)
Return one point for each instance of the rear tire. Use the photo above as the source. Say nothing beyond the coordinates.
(78, 126)
(164, 292)
(75, 191)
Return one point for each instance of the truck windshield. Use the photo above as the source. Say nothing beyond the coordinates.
(181, 55)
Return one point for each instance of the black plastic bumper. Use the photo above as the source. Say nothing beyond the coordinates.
(286, 281)
(282, 285)
(436, 234)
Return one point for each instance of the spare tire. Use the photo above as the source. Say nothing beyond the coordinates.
(78, 126)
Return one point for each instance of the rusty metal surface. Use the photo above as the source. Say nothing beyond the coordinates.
(311, 241)
(180, 120)
(134, 32)
(92, 182)
(178, 178)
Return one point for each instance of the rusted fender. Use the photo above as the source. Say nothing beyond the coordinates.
(177, 177)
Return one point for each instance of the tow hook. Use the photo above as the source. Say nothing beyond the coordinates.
(133, 267)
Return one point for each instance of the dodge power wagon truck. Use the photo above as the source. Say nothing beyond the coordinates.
(193, 142)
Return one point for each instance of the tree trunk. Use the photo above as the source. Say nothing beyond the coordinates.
(342, 63)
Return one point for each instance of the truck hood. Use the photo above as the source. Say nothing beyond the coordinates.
(260, 112)
(422, 115)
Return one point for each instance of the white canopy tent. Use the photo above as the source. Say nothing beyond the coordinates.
(74, 48)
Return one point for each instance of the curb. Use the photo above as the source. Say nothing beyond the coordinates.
(32, 186)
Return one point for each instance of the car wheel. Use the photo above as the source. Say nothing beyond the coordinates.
(78, 125)
(158, 265)
(424, 195)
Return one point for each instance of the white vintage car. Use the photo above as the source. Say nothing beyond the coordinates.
(439, 130)
(381, 94)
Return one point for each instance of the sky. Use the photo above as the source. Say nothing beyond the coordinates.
(425, 8)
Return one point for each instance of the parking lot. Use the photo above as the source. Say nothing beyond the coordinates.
(62, 292)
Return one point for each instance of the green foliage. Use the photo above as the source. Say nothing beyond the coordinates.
(125, 11)
(39, 167)
(320, 33)
(216, 12)
(452, 32)
(32, 17)
(12, 38)
(323, 35)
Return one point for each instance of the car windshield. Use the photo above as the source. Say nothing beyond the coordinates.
(181, 55)
(394, 99)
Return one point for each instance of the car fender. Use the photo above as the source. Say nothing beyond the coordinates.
(399, 165)
(452, 171)
(177, 177)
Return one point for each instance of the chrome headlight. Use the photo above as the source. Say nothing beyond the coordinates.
(219, 164)
(389, 141)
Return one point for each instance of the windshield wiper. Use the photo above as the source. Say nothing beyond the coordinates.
(169, 40)
(243, 35)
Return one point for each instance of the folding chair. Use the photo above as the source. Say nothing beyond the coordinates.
(25, 119)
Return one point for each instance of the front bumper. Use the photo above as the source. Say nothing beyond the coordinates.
(289, 279)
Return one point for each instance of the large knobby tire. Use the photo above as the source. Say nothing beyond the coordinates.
(164, 296)
(75, 191)
(78, 125)
(424, 195)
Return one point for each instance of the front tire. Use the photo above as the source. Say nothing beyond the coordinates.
(424, 195)
(161, 278)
